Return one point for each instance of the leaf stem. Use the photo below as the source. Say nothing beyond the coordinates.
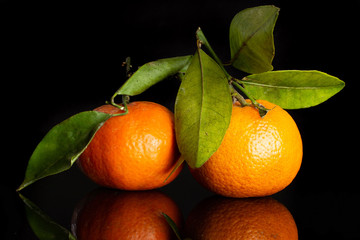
(128, 66)
(242, 89)
(203, 41)
(261, 108)
(125, 98)
(123, 106)
(233, 81)
(238, 96)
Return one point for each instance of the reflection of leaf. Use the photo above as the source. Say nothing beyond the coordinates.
(202, 110)
(292, 89)
(42, 225)
(62, 145)
(152, 73)
(251, 39)
(172, 224)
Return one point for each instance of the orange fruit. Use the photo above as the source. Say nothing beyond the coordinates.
(112, 214)
(258, 156)
(248, 218)
(136, 151)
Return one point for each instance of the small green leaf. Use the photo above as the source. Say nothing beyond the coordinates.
(62, 145)
(251, 39)
(173, 226)
(42, 225)
(153, 72)
(292, 89)
(202, 110)
(179, 162)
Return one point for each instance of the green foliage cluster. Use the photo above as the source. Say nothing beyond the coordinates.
(204, 100)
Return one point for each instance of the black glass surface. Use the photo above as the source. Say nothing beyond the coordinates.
(61, 59)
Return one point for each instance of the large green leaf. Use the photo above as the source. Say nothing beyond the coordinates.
(152, 73)
(42, 225)
(293, 89)
(202, 110)
(62, 145)
(251, 39)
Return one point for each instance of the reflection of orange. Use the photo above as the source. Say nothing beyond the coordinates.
(258, 156)
(250, 218)
(136, 151)
(110, 214)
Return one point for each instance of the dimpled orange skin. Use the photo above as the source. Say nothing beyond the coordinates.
(111, 215)
(259, 156)
(136, 151)
(248, 218)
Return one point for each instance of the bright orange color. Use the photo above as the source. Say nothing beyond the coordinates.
(136, 151)
(249, 218)
(111, 214)
(257, 157)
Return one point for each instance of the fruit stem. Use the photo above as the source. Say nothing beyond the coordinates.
(125, 98)
(122, 107)
(261, 108)
(238, 96)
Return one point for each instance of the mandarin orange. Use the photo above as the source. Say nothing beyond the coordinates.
(136, 151)
(248, 218)
(258, 156)
(112, 214)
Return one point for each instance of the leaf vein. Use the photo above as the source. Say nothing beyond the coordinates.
(290, 87)
(244, 43)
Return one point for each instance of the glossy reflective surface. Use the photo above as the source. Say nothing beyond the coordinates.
(322, 213)
(60, 60)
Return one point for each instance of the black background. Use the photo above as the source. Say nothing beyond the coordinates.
(58, 59)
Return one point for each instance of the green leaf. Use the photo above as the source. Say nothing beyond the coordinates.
(251, 39)
(42, 225)
(62, 145)
(202, 110)
(153, 72)
(173, 226)
(292, 89)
